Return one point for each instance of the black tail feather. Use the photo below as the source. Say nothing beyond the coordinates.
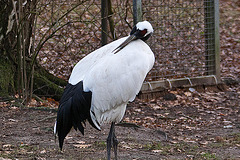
(74, 110)
(64, 123)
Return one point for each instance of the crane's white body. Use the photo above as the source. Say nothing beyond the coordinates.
(113, 79)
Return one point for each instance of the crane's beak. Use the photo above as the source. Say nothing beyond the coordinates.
(126, 42)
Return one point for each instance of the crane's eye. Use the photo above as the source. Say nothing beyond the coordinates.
(143, 32)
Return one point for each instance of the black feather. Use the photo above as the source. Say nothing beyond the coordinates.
(73, 111)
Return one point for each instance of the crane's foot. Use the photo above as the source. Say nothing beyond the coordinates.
(112, 142)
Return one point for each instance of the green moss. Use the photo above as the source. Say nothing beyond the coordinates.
(6, 77)
(45, 87)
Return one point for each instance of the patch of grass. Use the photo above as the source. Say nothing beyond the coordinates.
(101, 144)
(23, 149)
(208, 156)
(236, 137)
(153, 146)
(217, 145)
(187, 148)
(165, 149)
(25, 146)
(227, 141)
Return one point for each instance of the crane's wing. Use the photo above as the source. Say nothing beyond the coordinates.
(84, 65)
(117, 79)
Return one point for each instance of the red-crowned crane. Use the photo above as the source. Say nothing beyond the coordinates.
(103, 82)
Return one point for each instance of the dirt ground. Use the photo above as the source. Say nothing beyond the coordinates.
(200, 125)
(28, 134)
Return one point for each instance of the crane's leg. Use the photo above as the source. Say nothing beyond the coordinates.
(112, 142)
(115, 143)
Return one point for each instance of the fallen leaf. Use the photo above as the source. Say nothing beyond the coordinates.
(82, 145)
(157, 151)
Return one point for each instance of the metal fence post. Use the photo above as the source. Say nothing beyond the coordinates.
(137, 11)
(104, 14)
(211, 9)
(217, 39)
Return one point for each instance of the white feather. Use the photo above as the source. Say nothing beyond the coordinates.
(145, 24)
(55, 128)
(116, 79)
(83, 67)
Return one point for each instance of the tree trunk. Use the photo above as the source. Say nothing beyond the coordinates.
(7, 49)
(16, 50)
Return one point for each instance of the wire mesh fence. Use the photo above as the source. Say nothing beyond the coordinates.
(179, 41)
(71, 42)
(183, 39)
(75, 27)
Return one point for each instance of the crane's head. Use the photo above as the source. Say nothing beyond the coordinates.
(142, 30)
